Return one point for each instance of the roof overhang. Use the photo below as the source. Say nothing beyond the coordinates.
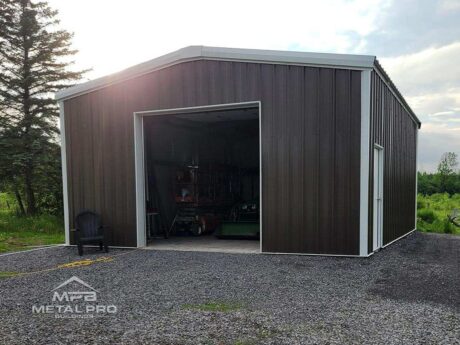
(225, 54)
(193, 53)
(379, 69)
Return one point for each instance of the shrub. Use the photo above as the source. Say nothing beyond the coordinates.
(448, 228)
(423, 226)
(427, 215)
(420, 203)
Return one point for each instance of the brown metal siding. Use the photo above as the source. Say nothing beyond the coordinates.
(393, 128)
(310, 147)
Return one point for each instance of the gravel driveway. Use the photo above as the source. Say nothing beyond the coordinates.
(408, 293)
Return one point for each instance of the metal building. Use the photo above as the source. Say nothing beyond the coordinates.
(333, 140)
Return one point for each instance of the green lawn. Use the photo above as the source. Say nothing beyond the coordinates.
(19, 233)
(432, 212)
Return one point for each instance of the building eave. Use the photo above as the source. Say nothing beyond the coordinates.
(192, 53)
(398, 94)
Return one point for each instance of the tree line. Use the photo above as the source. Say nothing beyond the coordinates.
(34, 64)
(445, 180)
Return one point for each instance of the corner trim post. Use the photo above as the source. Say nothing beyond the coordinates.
(416, 175)
(65, 194)
(140, 179)
(364, 166)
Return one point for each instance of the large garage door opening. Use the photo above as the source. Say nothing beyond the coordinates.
(202, 180)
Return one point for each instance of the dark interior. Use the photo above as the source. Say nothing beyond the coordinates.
(207, 162)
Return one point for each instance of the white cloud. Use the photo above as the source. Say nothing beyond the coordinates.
(444, 102)
(443, 113)
(430, 81)
(112, 35)
(432, 69)
(433, 142)
(447, 6)
(409, 26)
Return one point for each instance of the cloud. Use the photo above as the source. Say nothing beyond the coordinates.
(443, 113)
(430, 81)
(430, 70)
(408, 26)
(418, 42)
(434, 140)
(113, 35)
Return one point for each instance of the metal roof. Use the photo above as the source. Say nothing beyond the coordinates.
(191, 53)
(213, 53)
(395, 90)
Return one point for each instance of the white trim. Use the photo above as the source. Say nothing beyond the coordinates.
(326, 255)
(97, 246)
(399, 238)
(260, 178)
(199, 108)
(139, 156)
(364, 169)
(377, 214)
(65, 193)
(416, 175)
(140, 179)
(192, 53)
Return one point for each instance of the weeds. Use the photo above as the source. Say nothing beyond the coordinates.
(8, 274)
(433, 212)
(19, 233)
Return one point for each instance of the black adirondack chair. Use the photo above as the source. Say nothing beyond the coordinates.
(89, 230)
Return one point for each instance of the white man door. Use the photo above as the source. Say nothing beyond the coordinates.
(378, 198)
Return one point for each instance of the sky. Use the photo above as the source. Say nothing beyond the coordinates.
(416, 41)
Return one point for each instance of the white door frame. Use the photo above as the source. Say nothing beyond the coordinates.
(139, 157)
(377, 237)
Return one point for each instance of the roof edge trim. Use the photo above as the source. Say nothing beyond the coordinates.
(225, 54)
(386, 79)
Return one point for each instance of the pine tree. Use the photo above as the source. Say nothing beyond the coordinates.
(34, 61)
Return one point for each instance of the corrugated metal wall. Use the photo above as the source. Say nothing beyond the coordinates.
(393, 128)
(310, 147)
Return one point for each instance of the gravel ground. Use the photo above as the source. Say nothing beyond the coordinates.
(408, 293)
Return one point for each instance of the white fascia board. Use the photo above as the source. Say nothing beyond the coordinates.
(289, 57)
(225, 54)
(131, 72)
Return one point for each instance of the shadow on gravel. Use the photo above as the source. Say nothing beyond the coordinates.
(425, 268)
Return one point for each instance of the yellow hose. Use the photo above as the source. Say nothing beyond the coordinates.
(85, 262)
(73, 264)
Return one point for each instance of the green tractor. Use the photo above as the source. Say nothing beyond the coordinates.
(243, 222)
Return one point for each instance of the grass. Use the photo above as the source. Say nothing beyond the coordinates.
(19, 233)
(432, 212)
(245, 342)
(222, 307)
(8, 274)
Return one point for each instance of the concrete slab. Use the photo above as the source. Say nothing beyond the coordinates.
(205, 244)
